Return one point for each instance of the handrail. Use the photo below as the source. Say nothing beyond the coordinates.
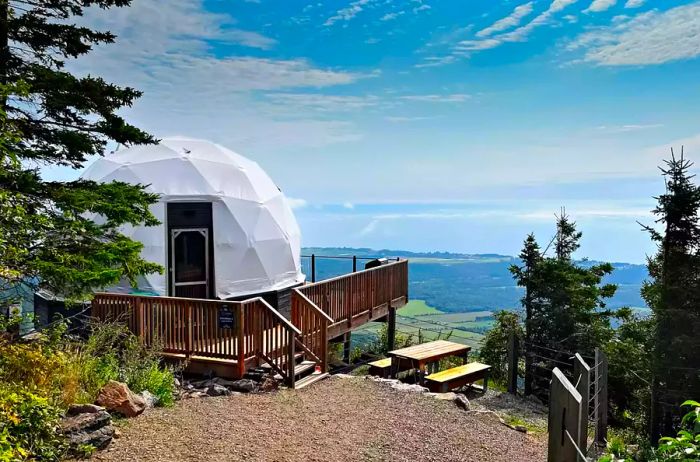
(344, 276)
(281, 318)
(314, 306)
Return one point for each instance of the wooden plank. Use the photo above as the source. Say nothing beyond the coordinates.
(582, 375)
(564, 416)
(601, 397)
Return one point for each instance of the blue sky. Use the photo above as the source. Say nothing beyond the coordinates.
(427, 125)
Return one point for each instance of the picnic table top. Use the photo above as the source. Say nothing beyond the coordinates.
(431, 350)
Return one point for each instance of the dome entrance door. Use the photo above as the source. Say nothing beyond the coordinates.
(190, 260)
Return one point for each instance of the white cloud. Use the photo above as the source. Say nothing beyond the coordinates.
(627, 128)
(421, 8)
(296, 203)
(450, 98)
(649, 38)
(348, 205)
(323, 103)
(600, 5)
(399, 119)
(392, 16)
(163, 48)
(509, 21)
(435, 61)
(465, 47)
(634, 3)
(346, 14)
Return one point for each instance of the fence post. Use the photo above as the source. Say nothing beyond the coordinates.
(391, 328)
(564, 416)
(512, 363)
(313, 267)
(240, 342)
(582, 373)
(291, 364)
(601, 397)
(354, 263)
(190, 328)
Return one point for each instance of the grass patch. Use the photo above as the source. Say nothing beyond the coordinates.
(418, 308)
(514, 421)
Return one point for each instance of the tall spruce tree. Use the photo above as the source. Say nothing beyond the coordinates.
(524, 275)
(51, 117)
(673, 294)
(564, 300)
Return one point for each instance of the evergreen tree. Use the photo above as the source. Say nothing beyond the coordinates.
(673, 295)
(51, 117)
(524, 275)
(564, 301)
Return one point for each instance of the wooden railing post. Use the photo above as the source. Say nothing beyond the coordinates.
(190, 327)
(139, 319)
(601, 397)
(324, 345)
(291, 353)
(564, 417)
(240, 342)
(313, 268)
(582, 374)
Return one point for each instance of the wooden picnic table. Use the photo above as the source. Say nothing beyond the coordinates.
(418, 356)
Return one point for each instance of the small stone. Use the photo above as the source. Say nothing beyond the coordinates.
(443, 396)
(149, 398)
(116, 397)
(463, 402)
(244, 385)
(176, 383)
(269, 384)
(75, 409)
(117, 434)
(521, 428)
(218, 390)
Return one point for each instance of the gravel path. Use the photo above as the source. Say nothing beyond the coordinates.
(338, 419)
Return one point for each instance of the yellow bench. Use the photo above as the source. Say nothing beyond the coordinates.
(444, 381)
(381, 367)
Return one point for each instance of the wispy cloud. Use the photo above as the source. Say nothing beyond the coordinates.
(348, 13)
(392, 16)
(627, 127)
(435, 98)
(400, 119)
(634, 3)
(509, 21)
(653, 37)
(297, 203)
(600, 5)
(322, 102)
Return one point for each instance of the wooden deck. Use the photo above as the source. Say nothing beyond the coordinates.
(231, 337)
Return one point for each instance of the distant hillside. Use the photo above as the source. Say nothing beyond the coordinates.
(455, 282)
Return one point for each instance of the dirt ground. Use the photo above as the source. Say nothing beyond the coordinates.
(339, 419)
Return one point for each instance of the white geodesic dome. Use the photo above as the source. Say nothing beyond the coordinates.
(256, 239)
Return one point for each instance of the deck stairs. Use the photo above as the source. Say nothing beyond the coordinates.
(305, 372)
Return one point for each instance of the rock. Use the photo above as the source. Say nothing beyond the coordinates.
(521, 428)
(244, 385)
(443, 396)
(218, 390)
(463, 402)
(345, 376)
(176, 383)
(409, 387)
(117, 434)
(116, 397)
(223, 382)
(75, 409)
(196, 394)
(269, 384)
(93, 428)
(149, 398)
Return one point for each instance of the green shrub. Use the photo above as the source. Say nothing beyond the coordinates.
(28, 427)
(495, 345)
(156, 380)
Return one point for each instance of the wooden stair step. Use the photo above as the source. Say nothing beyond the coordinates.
(297, 357)
(309, 379)
(300, 368)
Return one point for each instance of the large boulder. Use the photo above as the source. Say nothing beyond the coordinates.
(116, 397)
(87, 424)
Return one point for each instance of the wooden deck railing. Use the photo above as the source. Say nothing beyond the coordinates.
(349, 297)
(313, 324)
(234, 331)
